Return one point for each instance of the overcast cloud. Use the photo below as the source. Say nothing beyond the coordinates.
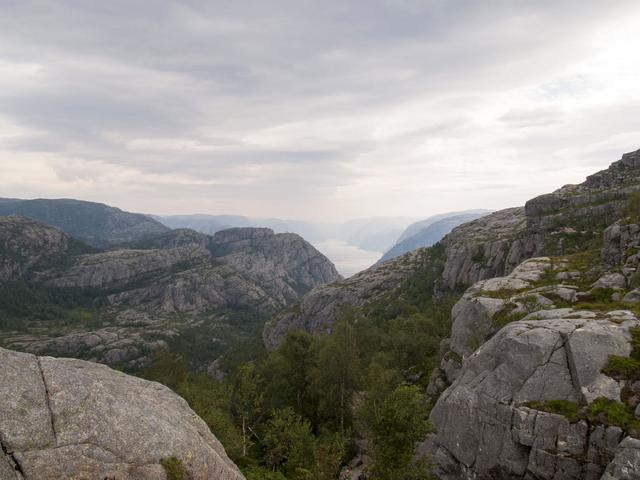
(313, 109)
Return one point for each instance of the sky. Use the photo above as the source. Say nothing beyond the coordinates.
(317, 110)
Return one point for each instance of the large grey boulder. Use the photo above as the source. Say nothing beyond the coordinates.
(482, 420)
(66, 418)
(626, 463)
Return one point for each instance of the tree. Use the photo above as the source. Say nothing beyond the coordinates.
(398, 426)
(168, 368)
(246, 399)
(288, 442)
(336, 374)
(287, 373)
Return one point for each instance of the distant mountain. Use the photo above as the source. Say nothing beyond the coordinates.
(415, 227)
(370, 233)
(96, 224)
(427, 233)
(211, 224)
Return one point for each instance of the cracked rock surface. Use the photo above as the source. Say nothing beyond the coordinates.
(484, 425)
(67, 418)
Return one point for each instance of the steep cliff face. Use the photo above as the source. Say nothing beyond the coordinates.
(95, 224)
(541, 380)
(569, 220)
(170, 286)
(532, 383)
(64, 418)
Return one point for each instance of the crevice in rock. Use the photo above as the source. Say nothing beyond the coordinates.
(48, 401)
(16, 464)
(573, 372)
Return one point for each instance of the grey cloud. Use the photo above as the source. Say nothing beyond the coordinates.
(215, 74)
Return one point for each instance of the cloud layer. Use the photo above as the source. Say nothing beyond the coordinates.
(313, 109)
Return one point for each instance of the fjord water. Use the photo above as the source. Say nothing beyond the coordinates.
(348, 259)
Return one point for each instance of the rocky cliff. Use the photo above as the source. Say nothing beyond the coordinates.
(172, 285)
(65, 418)
(569, 220)
(95, 224)
(540, 379)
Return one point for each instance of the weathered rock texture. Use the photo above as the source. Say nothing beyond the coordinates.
(484, 426)
(64, 418)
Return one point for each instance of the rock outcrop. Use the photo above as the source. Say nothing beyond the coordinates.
(485, 426)
(66, 418)
(95, 224)
(28, 246)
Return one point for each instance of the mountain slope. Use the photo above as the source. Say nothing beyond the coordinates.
(425, 236)
(117, 306)
(95, 224)
(568, 220)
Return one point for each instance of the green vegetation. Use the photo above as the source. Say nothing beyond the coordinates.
(22, 303)
(610, 412)
(174, 469)
(295, 413)
(397, 426)
(626, 368)
(570, 410)
(632, 209)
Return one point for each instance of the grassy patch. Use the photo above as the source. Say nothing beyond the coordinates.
(626, 368)
(610, 412)
(174, 469)
(622, 368)
(570, 410)
(507, 315)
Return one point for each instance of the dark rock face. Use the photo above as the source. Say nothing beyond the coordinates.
(27, 246)
(64, 418)
(95, 224)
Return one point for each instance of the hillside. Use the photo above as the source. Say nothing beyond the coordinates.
(95, 224)
(538, 378)
(427, 233)
(180, 288)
